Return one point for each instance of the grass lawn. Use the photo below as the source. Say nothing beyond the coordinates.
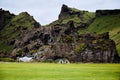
(47, 71)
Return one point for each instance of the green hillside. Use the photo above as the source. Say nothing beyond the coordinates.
(108, 23)
(12, 30)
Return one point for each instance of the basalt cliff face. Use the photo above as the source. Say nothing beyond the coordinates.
(61, 40)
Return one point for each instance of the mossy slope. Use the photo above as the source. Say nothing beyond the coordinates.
(13, 28)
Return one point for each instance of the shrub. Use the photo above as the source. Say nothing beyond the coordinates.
(80, 48)
(69, 39)
(7, 59)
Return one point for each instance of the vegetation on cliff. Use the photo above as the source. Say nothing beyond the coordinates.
(106, 23)
(79, 17)
(13, 28)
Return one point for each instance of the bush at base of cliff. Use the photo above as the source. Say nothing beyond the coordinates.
(6, 60)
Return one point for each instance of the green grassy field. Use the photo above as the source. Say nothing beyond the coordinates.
(47, 71)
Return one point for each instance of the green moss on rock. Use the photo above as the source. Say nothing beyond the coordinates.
(80, 48)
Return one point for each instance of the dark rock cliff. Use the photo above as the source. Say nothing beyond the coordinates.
(97, 48)
(5, 17)
(107, 12)
(62, 41)
(66, 12)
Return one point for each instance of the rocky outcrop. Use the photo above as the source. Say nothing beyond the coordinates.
(5, 17)
(107, 12)
(62, 42)
(60, 39)
(80, 18)
(66, 12)
(97, 48)
(11, 26)
(45, 36)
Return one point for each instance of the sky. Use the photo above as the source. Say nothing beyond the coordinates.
(46, 11)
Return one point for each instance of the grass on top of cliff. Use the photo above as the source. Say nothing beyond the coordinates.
(47, 71)
(20, 22)
(109, 23)
(84, 17)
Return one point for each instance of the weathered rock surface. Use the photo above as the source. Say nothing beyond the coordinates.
(97, 48)
(66, 12)
(62, 41)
